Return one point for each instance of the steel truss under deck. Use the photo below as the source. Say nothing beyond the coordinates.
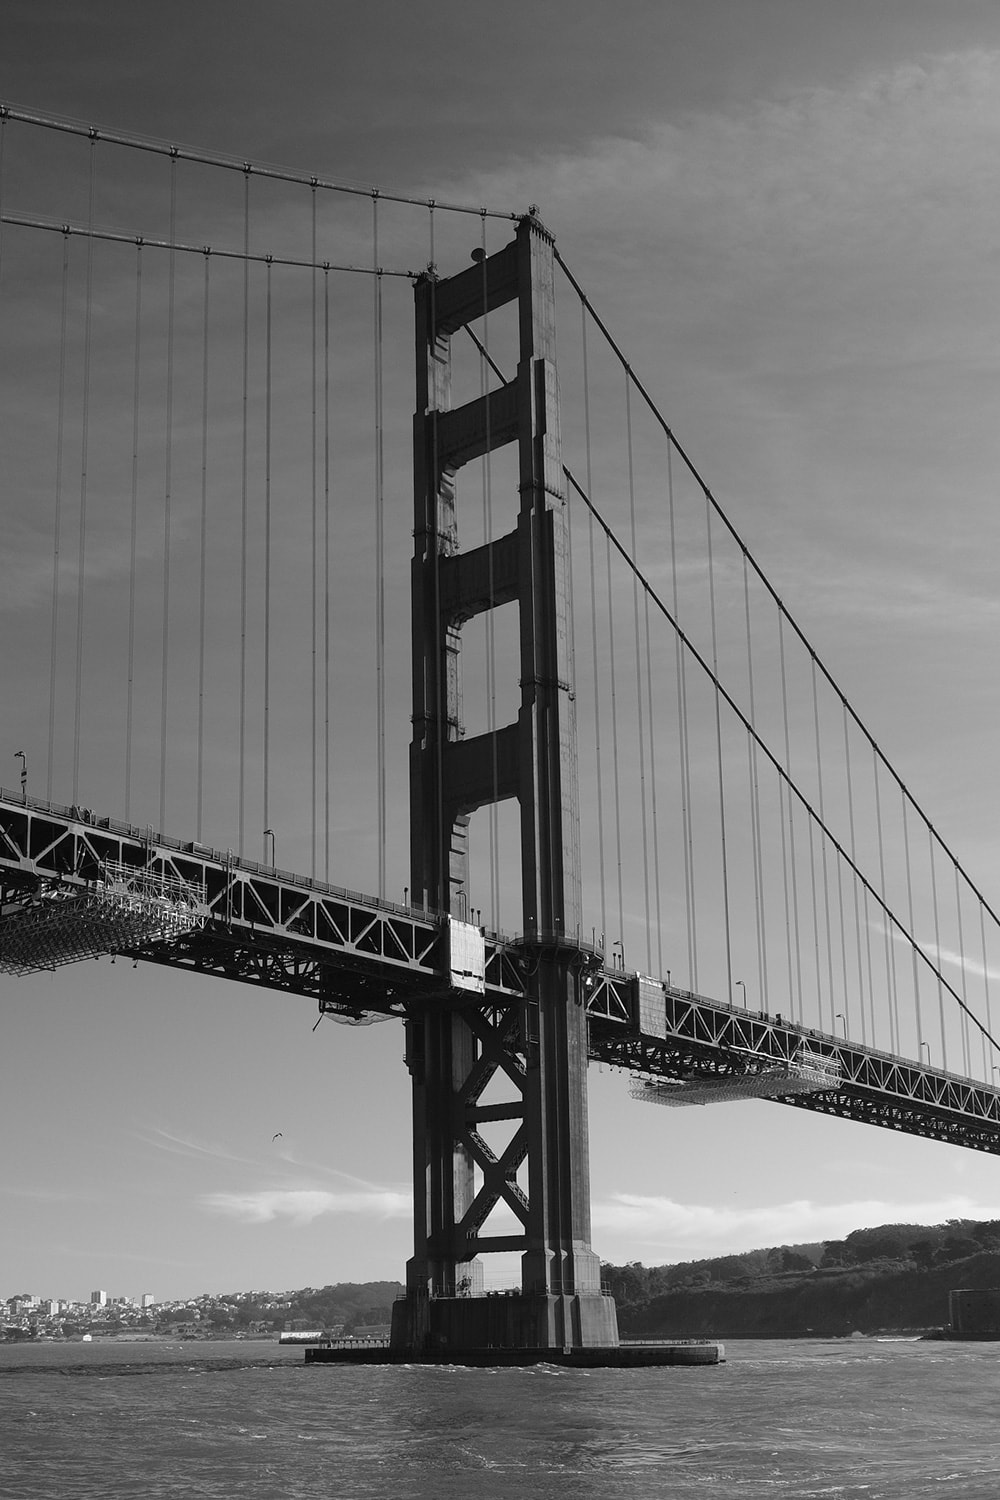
(361, 959)
(699, 1038)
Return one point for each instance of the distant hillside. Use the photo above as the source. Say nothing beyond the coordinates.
(897, 1276)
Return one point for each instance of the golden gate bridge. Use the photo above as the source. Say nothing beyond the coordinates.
(627, 814)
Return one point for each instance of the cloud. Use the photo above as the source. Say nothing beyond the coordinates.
(187, 1146)
(38, 1194)
(304, 1205)
(695, 1231)
(941, 957)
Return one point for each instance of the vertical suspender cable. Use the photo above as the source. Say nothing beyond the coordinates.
(439, 709)
(244, 517)
(614, 750)
(815, 907)
(907, 799)
(987, 1066)
(326, 574)
(760, 912)
(57, 519)
(937, 946)
(638, 670)
(815, 913)
(909, 904)
(266, 800)
(822, 815)
(593, 629)
(890, 957)
(133, 530)
(167, 497)
(491, 664)
(379, 549)
(84, 460)
(854, 878)
(791, 876)
(680, 663)
(718, 748)
(202, 552)
(966, 1060)
(657, 903)
(3, 158)
(314, 563)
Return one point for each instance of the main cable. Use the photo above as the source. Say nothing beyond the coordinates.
(793, 790)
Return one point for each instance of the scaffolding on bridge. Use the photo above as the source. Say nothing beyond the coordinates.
(808, 1073)
(122, 911)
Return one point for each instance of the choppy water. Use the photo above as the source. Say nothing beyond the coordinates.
(794, 1419)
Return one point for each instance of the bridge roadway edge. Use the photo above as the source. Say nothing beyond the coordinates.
(385, 958)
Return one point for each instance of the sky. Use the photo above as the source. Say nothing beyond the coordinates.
(786, 211)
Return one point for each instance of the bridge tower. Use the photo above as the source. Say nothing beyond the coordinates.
(539, 1044)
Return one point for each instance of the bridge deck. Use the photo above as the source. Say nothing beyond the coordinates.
(361, 958)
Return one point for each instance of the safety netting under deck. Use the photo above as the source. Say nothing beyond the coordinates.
(809, 1073)
(123, 911)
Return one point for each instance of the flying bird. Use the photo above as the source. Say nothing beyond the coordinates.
(276, 1136)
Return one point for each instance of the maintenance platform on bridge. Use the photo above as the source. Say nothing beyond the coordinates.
(621, 1356)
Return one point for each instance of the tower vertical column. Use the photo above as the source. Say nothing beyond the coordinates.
(540, 1042)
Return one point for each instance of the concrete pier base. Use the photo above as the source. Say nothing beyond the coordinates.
(620, 1357)
(526, 1320)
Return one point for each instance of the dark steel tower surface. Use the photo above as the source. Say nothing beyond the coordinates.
(538, 1043)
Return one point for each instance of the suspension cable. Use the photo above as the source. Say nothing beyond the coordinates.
(793, 789)
(822, 814)
(727, 925)
(266, 768)
(638, 675)
(485, 364)
(937, 947)
(768, 586)
(796, 996)
(167, 501)
(890, 960)
(314, 560)
(244, 517)
(593, 635)
(614, 748)
(680, 664)
(133, 530)
(57, 518)
(857, 916)
(987, 1070)
(379, 554)
(961, 950)
(909, 905)
(236, 164)
(653, 797)
(326, 577)
(85, 232)
(84, 459)
(202, 549)
(755, 824)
